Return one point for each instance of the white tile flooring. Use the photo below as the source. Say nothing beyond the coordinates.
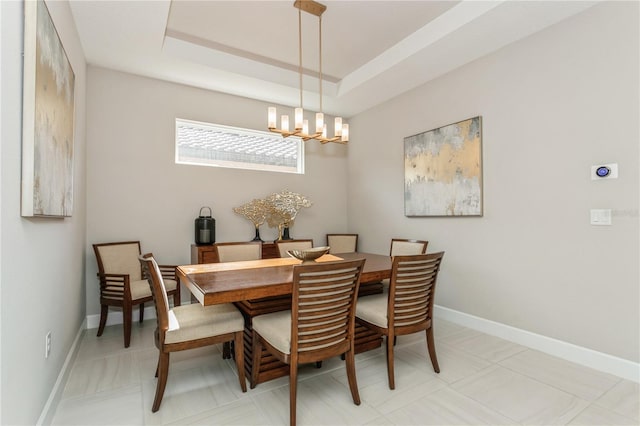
(483, 380)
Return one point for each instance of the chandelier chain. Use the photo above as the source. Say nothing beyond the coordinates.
(320, 50)
(300, 52)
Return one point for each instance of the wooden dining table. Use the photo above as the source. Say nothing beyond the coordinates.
(263, 286)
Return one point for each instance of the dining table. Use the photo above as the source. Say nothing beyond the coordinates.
(263, 286)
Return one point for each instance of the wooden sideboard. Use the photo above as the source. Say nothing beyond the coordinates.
(206, 253)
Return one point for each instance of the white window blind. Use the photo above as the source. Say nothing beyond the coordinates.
(207, 144)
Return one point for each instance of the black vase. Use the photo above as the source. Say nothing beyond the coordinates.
(285, 234)
(257, 237)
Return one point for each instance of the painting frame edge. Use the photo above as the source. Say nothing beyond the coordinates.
(28, 208)
(481, 209)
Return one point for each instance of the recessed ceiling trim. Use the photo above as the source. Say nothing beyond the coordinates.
(445, 24)
(219, 47)
(245, 67)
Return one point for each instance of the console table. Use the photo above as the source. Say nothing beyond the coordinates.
(206, 253)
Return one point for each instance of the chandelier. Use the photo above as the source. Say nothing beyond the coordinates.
(301, 126)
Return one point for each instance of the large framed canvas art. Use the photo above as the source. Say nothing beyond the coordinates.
(443, 171)
(48, 118)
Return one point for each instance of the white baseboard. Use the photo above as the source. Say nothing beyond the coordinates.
(115, 316)
(597, 360)
(46, 416)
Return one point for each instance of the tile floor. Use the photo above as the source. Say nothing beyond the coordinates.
(483, 380)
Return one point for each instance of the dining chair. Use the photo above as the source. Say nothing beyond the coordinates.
(342, 243)
(189, 327)
(285, 245)
(407, 306)
(320, 324)
(238, 251)
(403, 247)
(122, 283)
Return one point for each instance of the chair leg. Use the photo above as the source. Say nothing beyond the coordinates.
(126, 319)
(176, 296)
(293, 388)
(104, 312)
(390, 373)
(431, 346)
(226, 350)
(351, 376)
(163, 373)
(239, 347)
(141, 307)
(256, 350)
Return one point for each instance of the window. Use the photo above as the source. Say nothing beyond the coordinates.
(207, 144)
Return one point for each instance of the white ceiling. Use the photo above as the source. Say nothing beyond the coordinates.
(372, 50)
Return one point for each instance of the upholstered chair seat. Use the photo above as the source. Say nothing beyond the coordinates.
(276, 329)
(373, 309)
(193, 322)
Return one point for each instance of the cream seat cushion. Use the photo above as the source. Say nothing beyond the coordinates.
(275, 328)
(373, 309)
(140, 289)
(191, 322)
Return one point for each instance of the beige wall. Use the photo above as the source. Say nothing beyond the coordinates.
(137, 192)
(42, 273)
(552, 105)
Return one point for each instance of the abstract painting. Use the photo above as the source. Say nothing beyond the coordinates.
(443, 171)
(48, 118)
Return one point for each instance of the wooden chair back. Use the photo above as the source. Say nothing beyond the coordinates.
(411, 292)
(285, 245)
(323, 309)
(404, 247)
(158, 291)
(342, 243)
(119, 258)
(238, 251)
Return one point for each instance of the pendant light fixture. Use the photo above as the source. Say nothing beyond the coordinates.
(301, 126)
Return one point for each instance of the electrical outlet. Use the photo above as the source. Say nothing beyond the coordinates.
(47, 345)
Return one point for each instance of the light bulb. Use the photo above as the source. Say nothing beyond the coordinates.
(305, 127)
(345, 133)
(271, 117)
(298, 118)
(338, 126)
(284, 122)
(319, 122)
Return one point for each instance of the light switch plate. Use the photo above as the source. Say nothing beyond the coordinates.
(601, 216)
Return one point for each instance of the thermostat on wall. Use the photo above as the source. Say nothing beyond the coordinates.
(604, 171)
